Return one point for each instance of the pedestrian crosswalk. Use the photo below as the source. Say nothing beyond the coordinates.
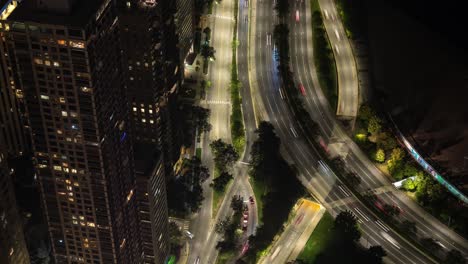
(217, 102)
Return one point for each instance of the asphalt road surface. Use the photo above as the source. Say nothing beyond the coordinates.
(318, 179)
(295, 236)
(332, 132)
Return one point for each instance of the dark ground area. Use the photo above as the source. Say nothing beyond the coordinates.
(419, 56)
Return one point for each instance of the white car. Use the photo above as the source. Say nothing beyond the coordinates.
(190, 235)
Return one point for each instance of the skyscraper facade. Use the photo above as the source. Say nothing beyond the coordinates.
(152, 73)
(185, 26)
(11, 124)
(65, 58)
(12, 244)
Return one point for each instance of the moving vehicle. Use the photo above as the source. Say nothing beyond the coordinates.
(302, 89)
(189, 235)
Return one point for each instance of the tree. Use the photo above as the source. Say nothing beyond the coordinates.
(175, 235)
(365, 113)
(409, 185)
(409, 227)
(386, 141)
(282, 8)
(207, 52)
(353, 179)
(237, 203)
(391, 210)
(395, 160)
(379, 155)
(207, 32)
(346, 224)
(220, 182)
(222, 225)
(225, 154)
(374, 125)
(430, 244)
(376, 253)
(201, 117)
(454, 257)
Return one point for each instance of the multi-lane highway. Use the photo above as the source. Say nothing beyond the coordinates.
(295, 236)
(319, 179)
(348, 87)
(202, 247)
(355, 159)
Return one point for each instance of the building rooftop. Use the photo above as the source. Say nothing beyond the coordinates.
(80, 14)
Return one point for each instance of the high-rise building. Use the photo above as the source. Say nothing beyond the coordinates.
(12, 244)
(152, 72)
(185, 26)
(11, 126)
(64, 56)
(152, 202)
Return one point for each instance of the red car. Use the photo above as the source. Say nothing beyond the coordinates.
(302, 89)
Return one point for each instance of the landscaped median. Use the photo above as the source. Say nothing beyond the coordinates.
(237, 121)
(318, 240)
(324, 59)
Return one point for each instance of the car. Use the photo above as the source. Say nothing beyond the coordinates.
(190, 235)
(302, 89)
(251, 199)
(244, 226)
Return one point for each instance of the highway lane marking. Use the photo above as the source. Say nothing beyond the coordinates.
(381, 225)
(361, 214)
(343, 190)
(218, 102)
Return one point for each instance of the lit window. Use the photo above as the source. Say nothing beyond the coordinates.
(75, 222)
(85, 89)
(56, 64)
(42, 166)
(130, 67)
(134, 109)
(44, 97)
(142, 110)
(77, 44)
(150, 111)
(151, 121)
(66, 170)
(59, 132)
(57, 168)
(68, 139)
(131, 78)
(73, 114)
(64, 113)
(62, 100)
(81, 217)
(38, 61)
(71, 199)
(129, 4)
(91, 224)
(47, 63)
(143, 120)
(138, 63)
(62, 42)
(73, 171)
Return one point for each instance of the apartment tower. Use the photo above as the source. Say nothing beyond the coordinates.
(64, 56)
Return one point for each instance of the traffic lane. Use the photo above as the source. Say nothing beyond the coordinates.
(427, 227)
(398, 249)
(348, 100)
(304, 215)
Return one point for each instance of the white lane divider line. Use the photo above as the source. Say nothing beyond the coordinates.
(381, 225)
(362, 214)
